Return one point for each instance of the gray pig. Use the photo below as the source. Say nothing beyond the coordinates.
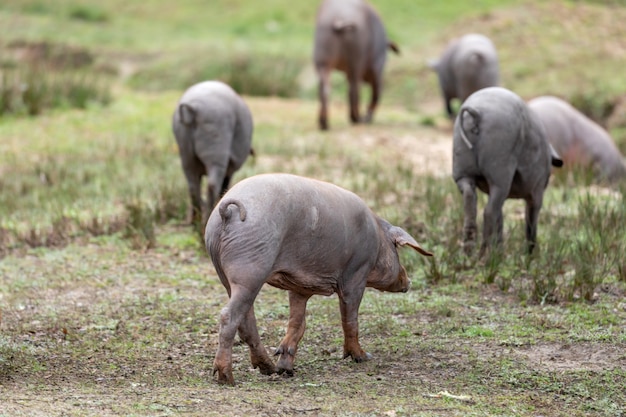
(213, 129)
(579, 140)
(304, 236)
(350, 37)
(467, 64)
(499, 145)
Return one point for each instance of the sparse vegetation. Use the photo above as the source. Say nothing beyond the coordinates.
(88, 13)
(42, 76)
(109, 304)
(248, 72)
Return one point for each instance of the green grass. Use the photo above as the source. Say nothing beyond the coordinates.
(109, 304)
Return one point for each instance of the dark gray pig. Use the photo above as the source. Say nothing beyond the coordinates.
(310, 237)
(468, 64)
(213, 129)
(578, 140)
(350, 37)
(499, 145)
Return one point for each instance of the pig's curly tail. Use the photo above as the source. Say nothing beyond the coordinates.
(226, 212)
(475, 129)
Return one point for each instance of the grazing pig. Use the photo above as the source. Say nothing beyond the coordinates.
(304, 236)
(213, 129)
(499, 145)
(578, 140)
(468, 64)
(350, 37)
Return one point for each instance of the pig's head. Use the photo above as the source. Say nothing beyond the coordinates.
(388, 274)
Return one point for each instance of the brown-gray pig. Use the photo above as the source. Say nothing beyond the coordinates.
(499, 146)
(213, 128)
(304, 236)
(578, 140)
(468, 64)
(350, 37)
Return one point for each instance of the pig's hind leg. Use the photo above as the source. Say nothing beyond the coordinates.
(468, 189)
(249, 333)
(238, 314)
(374, 79)
(499, 179)
(324, 96)
(295, 330)
(533, 206)
(194, 170)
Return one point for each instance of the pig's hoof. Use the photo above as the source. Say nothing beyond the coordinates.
(224, 377)
(285, 365)
(468, 248)
(266, 368)
(364, 358)
(358, 358)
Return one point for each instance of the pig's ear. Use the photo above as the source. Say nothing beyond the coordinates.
(402, 238)
(393, 47)
(556, 158)
(187, 114)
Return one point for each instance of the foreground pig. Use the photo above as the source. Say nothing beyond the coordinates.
(350, 37)
(468, 64)
(304, 236)
(213, 129)
(578, 140)
(499, 145)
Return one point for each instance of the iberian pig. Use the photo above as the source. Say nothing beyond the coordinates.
(213, 128)
(304, 236)
(468, 64)
(578, 140)
(350, 37)
(500, 146)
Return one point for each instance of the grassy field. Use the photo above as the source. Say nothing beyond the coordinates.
(109, 304)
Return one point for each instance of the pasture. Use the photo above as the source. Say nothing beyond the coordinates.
(109, 304)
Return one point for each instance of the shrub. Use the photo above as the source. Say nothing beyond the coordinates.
(32, 89)
(40, 75)
(88, 14)
(249, 73)
(140, 227)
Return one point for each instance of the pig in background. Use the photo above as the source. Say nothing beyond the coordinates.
(350, 37)
(213, 128)
(499, 146)
(578, 140)
(311, 237)
(468, 64)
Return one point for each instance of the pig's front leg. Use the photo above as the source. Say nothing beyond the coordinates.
(349, 301)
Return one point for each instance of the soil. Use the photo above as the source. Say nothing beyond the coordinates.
(69, 363)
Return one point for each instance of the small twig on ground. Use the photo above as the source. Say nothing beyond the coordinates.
(442, 394)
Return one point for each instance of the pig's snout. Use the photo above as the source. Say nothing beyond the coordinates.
(403, 283)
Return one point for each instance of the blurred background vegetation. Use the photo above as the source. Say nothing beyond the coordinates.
(87, 89)
(264, 49)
